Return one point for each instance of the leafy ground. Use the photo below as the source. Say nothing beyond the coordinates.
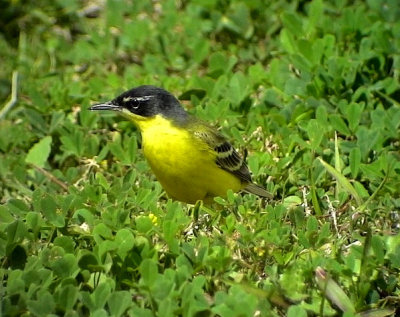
(310, 88)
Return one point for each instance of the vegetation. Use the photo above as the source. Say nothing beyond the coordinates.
(309, 88)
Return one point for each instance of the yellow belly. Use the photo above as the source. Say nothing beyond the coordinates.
(184, 165)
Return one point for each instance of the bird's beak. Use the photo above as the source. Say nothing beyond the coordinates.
(109, 105)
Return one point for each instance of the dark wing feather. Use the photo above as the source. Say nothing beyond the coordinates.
(227, 157)
(229, 160)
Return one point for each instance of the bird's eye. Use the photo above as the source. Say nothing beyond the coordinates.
(134, 104)
(131, 103)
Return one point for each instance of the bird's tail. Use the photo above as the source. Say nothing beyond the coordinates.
(257, 190)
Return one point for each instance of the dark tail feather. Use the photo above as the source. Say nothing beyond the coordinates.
(257, 190)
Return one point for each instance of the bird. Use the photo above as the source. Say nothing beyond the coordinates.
(191, 159)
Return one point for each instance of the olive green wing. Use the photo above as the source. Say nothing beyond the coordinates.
(227, 157)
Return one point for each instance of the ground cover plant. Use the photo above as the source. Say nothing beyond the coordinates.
(309, 88)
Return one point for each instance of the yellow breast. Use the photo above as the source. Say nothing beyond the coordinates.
(184, 165)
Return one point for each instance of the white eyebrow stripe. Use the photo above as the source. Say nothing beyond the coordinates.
(126, 99)
(143, 98)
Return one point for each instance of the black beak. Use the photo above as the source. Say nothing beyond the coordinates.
(105, 106)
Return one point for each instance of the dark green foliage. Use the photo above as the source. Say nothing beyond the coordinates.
(310, 88)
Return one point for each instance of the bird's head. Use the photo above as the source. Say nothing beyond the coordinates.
(145, 102)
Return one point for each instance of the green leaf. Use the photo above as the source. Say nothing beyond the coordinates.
(66, 266)
(15, 283)
(125, 240)
(84, 216)
(316, 9)
(5, 215)
(67, 297)
(312, 224)
(100, 313)
(51, 212)
(168, 306)
(119, 302)
(354, 160)
(288, 41)
(361, 190)
(333, 291)
(321, 116)
(39, 153)
(315, 133)
(338, 165)
(296, 311)
(149, 271)
(88, 261)
(102, 181)
(101, 294)
(292, 201)
(292, 22)
(236, 303)
(239, 20)
(124, 148)
(143, 224)
(16, 231)
(44, 304)
(101, 231)
(378, 247)
(342, 181)
(237, 88)
(66, 243)
(378, 312)
(34, 221)
(339, 125)
(366, 139)
(353, 114)
(17, 207)
(73, 143)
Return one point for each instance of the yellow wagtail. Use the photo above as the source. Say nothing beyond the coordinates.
(190, 159)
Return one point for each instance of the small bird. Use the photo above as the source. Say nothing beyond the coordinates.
(190, 159)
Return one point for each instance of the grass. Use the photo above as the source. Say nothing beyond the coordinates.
(310, 89)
